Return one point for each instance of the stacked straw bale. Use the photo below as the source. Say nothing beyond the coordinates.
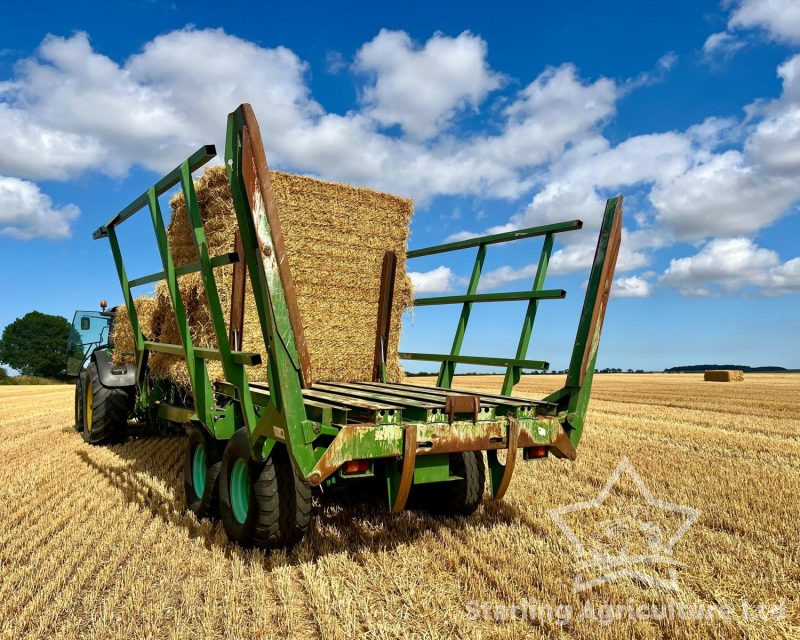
(724, 375)
(335, 237)
(122, 332)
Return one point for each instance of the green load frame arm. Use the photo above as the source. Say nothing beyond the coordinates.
(288, 366)
(284, 416)
(573, 398)
(206, 412)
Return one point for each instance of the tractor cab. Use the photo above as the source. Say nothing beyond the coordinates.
(90, 331)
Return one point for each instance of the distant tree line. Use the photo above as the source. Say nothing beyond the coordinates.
(527, 373)
(699, 368)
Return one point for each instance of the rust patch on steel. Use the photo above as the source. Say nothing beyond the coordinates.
(256, 179)
(385, 299)
(508, 471)
(367, 441)
(562, 447)
(606, 277)
(407, 475)
(462, 404)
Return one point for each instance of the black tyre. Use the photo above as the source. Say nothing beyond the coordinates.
(202, 463)
(262, 504)
(105, 409)
(457, 497)
(79, 401)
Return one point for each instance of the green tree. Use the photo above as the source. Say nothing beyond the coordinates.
(36, 345)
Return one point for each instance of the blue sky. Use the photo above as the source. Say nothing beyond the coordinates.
(490, 117)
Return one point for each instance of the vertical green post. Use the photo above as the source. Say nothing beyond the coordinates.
(198, 373)
(284, 417)
(234, 372)
(574, 396)
(448, 369)
(138, 338)
(513, 373)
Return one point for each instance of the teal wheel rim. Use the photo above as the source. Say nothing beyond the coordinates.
(199, 470)
(240, 490)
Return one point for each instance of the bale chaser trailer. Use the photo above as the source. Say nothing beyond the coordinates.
(255, 450)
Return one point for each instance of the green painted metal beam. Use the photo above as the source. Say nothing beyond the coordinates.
(448, 368)
(531, 232)
(133, 316)
(513, 374)
(138, 338)
(196, 160)
(481, 360)
(246, 358)
(594, 295)
(248, 176)
(574, 397)
(504, 296)
(192, 267)
(198, 373)
(233, 368)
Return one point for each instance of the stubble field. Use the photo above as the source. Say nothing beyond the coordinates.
(95, 541)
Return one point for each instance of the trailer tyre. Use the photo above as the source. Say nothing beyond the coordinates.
(458, 497)
(263, 504)
(202, 463)
(105, 409)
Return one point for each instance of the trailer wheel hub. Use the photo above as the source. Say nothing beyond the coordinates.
(240, 490)
(199, 470)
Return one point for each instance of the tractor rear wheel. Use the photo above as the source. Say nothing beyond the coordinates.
(79, 401)
(263, 504)
(457, 497)
(105, 409)
(201, 467)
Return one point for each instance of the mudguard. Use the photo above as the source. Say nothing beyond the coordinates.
(112, 375)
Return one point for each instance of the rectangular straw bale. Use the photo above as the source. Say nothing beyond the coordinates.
(724, 375)
(335, 237)
(122, 332)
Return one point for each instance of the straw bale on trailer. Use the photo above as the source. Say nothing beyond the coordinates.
(724, 375)
(335, 237)
(122, 332)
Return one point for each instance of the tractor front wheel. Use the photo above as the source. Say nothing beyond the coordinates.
(201, 468)
(105, 409)
(262, 504)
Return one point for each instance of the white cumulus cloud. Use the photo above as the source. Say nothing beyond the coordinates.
(631, 287)
(26, 212)
(69, 109)
(780, 18)
(422, 87)
(732, 264)
(438, 280)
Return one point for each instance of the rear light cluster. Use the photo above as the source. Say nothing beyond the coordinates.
(534, 452)
(353, 467)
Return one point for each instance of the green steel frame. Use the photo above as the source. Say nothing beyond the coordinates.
(574, 396)
(514, 366)
(410, 430)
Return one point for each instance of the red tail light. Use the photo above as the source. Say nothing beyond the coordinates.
(535, 452)
(355, 466)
